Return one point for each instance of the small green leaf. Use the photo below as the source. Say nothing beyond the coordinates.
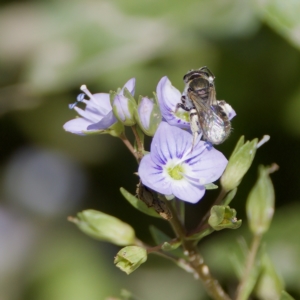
(138, 204)
(161, 238)
(222, 217)
(130, 258)
(269, 284)
(210, 186)
(158, 236)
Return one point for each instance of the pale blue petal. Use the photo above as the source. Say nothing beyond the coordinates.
(130, 85)
(77, 126)
(168, 97)
(170, 142)
(144, 110)
(185, 191)
(105, 123)
(152, 176)
(121, 104)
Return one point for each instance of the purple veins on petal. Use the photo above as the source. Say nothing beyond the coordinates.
(171, 168)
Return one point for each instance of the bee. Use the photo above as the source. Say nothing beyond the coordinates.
(208, 116)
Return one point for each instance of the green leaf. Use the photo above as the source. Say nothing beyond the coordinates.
(161, 238)
(138, 204)
(283, 18)
(269, 285)
(158, 236)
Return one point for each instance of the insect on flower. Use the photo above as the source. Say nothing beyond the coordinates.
(208, 116)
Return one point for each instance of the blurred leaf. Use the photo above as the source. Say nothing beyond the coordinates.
(285, 296)
(269, 285)
(283, 16)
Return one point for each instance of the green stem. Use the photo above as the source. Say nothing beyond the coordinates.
(196, 261)
(250, 262)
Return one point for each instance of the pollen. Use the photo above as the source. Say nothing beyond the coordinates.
(176, 172)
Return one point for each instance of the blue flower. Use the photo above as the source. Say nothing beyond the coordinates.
(98, 115)
(168, 97)
(172, 169)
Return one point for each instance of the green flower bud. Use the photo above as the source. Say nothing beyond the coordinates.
(130, 258)
(222, 217)
(103, 227)
(260, 202)
(239, 162)
(148, 115)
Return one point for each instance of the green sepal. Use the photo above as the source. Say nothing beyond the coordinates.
(128, 259)
(114, 130)
(200, 235)
(222, 217)
(211, 186)
(138, 204)
(260, 202)
(104, 227)
(112, 95)
(229, 197)
(285, 296)
(239, 163)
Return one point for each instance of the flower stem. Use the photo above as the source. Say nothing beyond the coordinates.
(128, 145)
(139, 142)
(250, 262)
(196, 261)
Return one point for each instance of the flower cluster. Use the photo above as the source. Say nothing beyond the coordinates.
(174, 166)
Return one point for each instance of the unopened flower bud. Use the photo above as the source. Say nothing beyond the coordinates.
(148, 115)
(104, 227)
(239, 162)
(130, 258)
(124, 107)
(260, 202)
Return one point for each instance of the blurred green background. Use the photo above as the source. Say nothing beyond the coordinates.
(49, 48)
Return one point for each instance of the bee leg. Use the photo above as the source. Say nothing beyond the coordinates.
(194, 121)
